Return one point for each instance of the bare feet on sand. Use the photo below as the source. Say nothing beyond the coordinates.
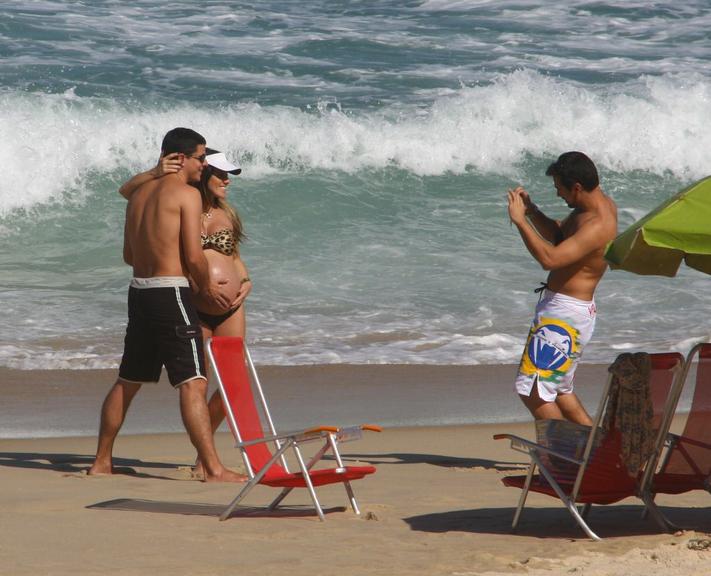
(198, 473)
(107, 470)
(100, 468)
(225, 476)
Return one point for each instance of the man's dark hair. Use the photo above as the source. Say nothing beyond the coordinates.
(573, 167)
(182, 140)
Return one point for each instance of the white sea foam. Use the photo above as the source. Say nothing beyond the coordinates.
(583, 6)
(658, 128)
(30, 356)
(656, 124)
(312, 348)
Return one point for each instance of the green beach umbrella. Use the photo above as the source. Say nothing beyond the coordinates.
(679, 229)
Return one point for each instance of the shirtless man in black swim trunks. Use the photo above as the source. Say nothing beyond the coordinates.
(162, 244)
(221, 235)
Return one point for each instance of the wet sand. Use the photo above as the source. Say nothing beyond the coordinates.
(46, 403)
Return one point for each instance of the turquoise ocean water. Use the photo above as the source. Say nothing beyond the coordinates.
(378, 140)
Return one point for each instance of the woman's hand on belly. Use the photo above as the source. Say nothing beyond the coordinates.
(226, 285)
(210, 305)
(230, 289)
(244, 289)
(225, 275)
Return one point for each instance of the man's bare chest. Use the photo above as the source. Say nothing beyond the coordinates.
(571, 225)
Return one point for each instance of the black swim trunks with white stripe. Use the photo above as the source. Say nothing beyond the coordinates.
(163, 330)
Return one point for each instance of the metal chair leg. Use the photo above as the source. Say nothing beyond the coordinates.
(253, 481)
(351, 497)
(309, 484)
(226, 514)
(524, 495)
(654, 511)
(347, 485)
(569, 504)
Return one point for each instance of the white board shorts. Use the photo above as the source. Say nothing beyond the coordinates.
(561, 328)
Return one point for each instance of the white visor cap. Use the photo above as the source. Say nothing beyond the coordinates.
(219, 160)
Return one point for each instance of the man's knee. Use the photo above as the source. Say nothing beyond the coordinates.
(122, 392)
(194, 386)
(127, 387)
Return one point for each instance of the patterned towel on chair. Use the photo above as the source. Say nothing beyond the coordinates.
(630, 408)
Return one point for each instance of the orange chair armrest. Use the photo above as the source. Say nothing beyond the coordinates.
(336, 429)
(320, 429)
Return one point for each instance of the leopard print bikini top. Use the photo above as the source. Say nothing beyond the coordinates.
(223, 241)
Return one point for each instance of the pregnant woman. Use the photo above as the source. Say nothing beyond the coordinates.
(221, 236)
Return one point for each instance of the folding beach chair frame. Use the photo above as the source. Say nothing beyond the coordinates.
(283, 442)
(532, 449)
(665, 443)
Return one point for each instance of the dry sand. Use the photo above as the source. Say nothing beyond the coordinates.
(435, 506)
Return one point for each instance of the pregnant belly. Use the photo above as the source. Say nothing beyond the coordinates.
(223, 272)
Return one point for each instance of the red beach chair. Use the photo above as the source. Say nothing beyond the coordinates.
(591, 469)
(230, 361)
(686, 462)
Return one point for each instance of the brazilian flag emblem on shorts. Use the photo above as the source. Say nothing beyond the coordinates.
(551, 349)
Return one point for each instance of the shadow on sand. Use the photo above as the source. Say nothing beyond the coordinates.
(79, 463)
(556, 522)
(436, 460)
(214, 510)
